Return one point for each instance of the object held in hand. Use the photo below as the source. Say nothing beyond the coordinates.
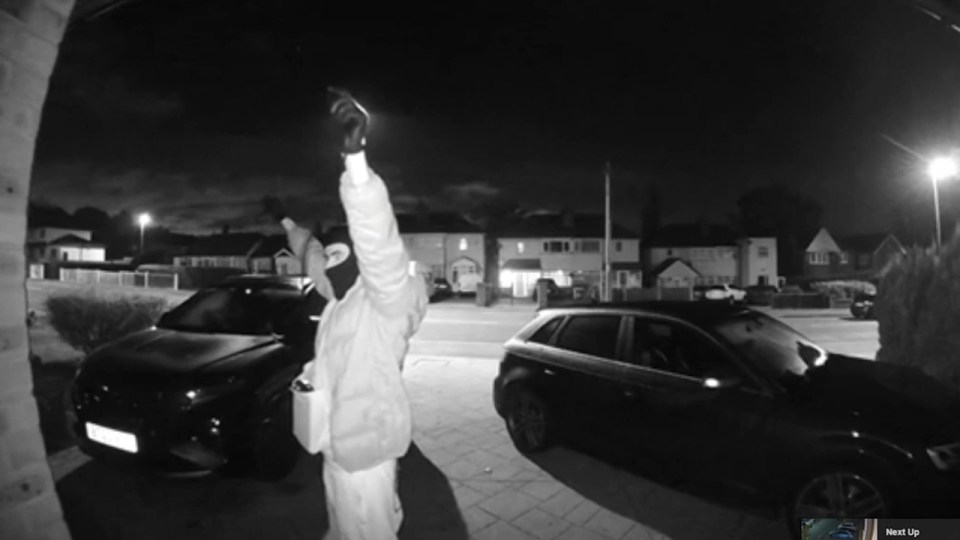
(300, 385)
(352, 117)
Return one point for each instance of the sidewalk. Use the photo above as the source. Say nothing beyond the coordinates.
(462, 480)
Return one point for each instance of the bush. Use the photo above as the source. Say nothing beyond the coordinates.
(88, 319)
(918, 312)
(843, 289)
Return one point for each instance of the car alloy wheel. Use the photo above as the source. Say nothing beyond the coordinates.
(840, 493)
(527, 421)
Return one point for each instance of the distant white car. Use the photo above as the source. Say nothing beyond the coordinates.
(467, 283)
(725, 293)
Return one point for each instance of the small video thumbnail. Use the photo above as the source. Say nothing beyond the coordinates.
(838, 529)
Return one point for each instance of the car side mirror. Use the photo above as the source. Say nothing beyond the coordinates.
(722, 383)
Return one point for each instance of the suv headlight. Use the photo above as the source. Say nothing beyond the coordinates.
(209, 390)
(945, 457)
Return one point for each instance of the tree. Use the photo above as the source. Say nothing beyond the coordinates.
(784, 213)
(650, 213)
(494, 216)
(92, 218)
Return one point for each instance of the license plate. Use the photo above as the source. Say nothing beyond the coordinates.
(112, 437)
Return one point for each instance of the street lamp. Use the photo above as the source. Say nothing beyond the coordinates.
(143, 220)
(939, 169)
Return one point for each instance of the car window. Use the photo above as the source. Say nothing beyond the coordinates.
(546, 331)
(671, 347)
(595, 335)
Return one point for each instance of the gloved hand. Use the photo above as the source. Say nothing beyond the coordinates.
(352, 118)
(273, 208)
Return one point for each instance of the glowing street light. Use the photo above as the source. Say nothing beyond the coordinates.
(940, 168)
(143, 220)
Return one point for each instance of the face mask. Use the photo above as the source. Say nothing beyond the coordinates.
(342, 269)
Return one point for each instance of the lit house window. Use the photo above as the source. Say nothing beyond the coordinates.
(519, 247)
(763, 251)
(463, 244)
(818, 258)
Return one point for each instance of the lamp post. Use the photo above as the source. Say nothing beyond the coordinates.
(940, 169)
(143, 220)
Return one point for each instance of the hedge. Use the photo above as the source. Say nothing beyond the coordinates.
(918, 312)
(87, 319)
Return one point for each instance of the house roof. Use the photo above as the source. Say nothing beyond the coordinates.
(271, 245)
(693, 235)
(862, 243)
(522, 264)
(435, 222)
(564, 226)
(73, 240)
(236, 244)
(823, 242)
(668, 263)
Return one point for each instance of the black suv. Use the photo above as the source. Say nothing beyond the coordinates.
(732, 397)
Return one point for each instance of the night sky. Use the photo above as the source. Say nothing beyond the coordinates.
(192, 110)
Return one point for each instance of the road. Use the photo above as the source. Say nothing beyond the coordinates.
(464, 330)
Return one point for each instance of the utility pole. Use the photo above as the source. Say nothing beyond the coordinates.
(606, 238)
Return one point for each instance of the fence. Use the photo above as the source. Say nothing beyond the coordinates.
(125, 279)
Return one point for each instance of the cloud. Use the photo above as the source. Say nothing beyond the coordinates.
(470, 191)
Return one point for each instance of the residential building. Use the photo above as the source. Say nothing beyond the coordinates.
(272, 255)
(49, 244)
(221, 251)
(567, 248)
(674, 272)
(860, 256)
(824, 258)
(872, 252)
(714, 252)
(443, 244)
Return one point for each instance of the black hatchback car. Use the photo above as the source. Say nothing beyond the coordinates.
(732, 397)
(208, 386)
(862, 305)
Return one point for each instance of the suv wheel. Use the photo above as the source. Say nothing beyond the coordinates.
(840, 492)
(528, 420)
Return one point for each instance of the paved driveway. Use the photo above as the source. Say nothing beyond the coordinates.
(462, 479)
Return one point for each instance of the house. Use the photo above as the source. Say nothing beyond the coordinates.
(674, 272)
(871, 252)
(566, 247)
(63, 243)
(714, 252)
(221, 251)
(443, 244)
(272, 255)
(824, 258)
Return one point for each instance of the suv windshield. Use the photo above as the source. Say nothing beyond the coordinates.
(773, 347)
(234, 310)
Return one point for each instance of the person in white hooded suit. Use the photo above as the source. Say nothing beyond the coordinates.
(374, 306)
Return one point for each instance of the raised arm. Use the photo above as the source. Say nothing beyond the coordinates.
(382, 257)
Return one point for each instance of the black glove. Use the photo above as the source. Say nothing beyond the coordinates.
(273, 208)
(351, 117)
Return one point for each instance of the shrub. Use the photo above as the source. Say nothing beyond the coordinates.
(91, 318)
(918, 312)
(843, 289)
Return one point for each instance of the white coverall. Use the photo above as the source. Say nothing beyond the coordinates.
(360, 345)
